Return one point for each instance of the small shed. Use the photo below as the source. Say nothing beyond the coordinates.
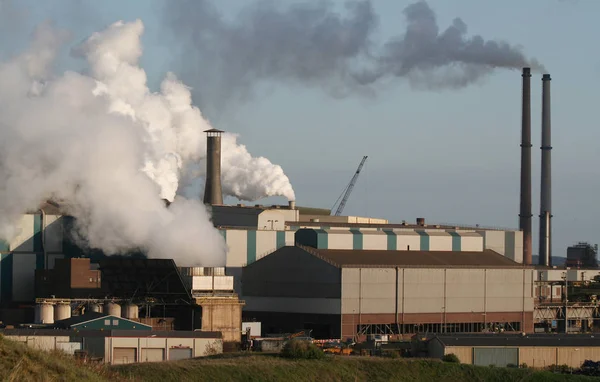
(100, 321)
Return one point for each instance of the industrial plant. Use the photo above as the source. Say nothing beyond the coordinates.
(292, 269)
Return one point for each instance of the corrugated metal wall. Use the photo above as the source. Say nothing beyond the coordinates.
(434, 290)
(500, 357)
(24, 253)
(246, 246)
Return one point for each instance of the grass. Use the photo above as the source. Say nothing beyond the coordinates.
(19, 363)
(22, 364)
(273, 368)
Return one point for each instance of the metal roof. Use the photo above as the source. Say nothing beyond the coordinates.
(111, 333)
(89, 317)
(519, 340)
(350, 258)
(427, 226)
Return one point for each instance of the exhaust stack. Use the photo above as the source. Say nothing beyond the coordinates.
(213, 194)
(546, 178)
(525, 214)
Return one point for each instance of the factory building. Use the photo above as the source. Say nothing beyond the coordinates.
(122, 346)
(353, 293)
(537, 350)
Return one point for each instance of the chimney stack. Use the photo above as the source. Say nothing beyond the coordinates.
(546, 178)
(213, 194)
(525, 214)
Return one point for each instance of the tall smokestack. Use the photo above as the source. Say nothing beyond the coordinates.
(546, 181)
(213, 193)
(525, 211)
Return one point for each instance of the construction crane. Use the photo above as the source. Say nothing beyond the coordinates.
(348, 190)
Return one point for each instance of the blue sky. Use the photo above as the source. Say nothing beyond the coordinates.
(449, 156)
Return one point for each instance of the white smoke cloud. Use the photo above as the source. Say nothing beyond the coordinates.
(109, 147)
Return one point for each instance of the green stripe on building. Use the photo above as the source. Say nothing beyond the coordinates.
(6, 266)
(37, 233)
(509, 245)
(224, 234)
(392, 240)
(280, 239)
(357, 239)
(424, 244)
(250, 247)
(322, 239)
(4, 247)
(39, 261)
(456, 241)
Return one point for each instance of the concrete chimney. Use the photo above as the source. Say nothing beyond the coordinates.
(213, 194)
(292, 205)
(546, 178)
(525, 214)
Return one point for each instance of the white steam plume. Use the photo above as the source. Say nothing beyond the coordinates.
(109, 148)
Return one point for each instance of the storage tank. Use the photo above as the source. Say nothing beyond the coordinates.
(62, 311)
(44, 313)
(95, 308)
(113, 309)
(131, 311)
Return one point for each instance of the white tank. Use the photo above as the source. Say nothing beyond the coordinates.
(62, 311)
(131, 311)
(95, 308)
(113, 309)
(44, 314)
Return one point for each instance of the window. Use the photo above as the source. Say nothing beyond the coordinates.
(116, 322)
(91, 280)
(106, 322)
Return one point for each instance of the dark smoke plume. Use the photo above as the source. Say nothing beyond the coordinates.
(313, 45)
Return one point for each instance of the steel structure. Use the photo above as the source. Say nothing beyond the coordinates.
(348, 190)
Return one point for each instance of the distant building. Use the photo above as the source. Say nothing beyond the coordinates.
(582, 255)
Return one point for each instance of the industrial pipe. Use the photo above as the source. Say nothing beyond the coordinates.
(525, 214)
(213, 193)
(546, 178)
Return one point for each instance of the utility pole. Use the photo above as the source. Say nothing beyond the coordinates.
(566, 302)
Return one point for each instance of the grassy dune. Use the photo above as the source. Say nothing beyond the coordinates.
(272, 368)
(20, 364)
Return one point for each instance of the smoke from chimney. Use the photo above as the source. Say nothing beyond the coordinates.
(546, 178)
(525, 211)
(313, 45)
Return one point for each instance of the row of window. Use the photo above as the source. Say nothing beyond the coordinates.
(462, 327)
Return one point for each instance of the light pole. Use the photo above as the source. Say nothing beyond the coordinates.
(564, 277)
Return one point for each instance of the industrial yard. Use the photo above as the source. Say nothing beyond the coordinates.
(155, 247)
(297, 272)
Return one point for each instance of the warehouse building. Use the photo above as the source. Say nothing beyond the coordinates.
(246, 245)
(350, 293)
(122, 346)
(534, 350)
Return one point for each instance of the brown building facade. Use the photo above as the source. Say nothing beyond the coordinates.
(350, 294)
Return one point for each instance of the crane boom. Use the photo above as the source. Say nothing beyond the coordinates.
(348, 190)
